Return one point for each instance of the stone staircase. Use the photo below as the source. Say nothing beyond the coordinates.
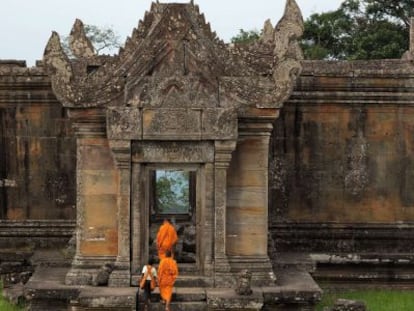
(185, 299)
(294, 291)
(189, 294)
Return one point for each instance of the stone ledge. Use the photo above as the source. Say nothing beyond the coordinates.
(227, 299)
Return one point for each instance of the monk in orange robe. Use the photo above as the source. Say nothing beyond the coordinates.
(166, 239)
(167, 274)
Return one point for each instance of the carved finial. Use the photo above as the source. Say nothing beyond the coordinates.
(268, 32)
(192, 2)
(287, 52)
(79, 43)
(289, 28)
(56, 60)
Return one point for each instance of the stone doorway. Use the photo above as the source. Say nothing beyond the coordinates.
(175, 190)
(172, 195)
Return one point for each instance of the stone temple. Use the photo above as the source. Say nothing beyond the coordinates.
(297, 171)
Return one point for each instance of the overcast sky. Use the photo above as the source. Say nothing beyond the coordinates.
(26, 25)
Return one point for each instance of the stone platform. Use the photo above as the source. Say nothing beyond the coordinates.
(46, 290)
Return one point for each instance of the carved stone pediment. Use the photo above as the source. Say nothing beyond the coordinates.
(173, 60)
(172, 92)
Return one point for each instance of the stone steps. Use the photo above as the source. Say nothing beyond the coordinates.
(155, 306)
(295, 289)
(175, 306)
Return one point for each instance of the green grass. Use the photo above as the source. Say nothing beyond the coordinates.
(7, 306)
(375, 300)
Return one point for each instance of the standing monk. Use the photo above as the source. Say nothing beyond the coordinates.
(166, 239)
(167, 274)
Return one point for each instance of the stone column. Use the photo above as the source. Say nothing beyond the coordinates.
(137, 192)
(247, 198)
(122, 273)
(96, 179)
(207, 237)
(412, 35)
(223, 152)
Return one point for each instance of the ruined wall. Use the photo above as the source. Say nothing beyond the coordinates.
(342, 155)
(37, 148)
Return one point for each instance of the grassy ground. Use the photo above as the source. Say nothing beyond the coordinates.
(375, 300)
(6, 306)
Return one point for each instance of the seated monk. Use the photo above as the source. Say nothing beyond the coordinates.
(167, 274)
(166, 239)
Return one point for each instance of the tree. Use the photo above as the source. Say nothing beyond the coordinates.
(172, 191)
(244, 37)
(359, 29)
(104, 39)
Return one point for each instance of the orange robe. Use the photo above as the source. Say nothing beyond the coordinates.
(166, 239)
(167, 274)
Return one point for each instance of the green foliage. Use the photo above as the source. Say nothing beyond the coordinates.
(7, 306)
(172, 191)
(359, 29)
(244, 37)
(400, 11)
(375, 300)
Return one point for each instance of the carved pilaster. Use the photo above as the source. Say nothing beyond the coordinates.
(121, 150)
(250, 251)
(223, 151)
(90, 131)
(137, 229)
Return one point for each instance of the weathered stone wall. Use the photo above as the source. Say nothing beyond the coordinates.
(342, 155)
(37, 148)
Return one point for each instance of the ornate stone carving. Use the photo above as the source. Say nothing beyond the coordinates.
(124, 123)
(219, 123)
(173, 58)
(287, 52)
(59, 68)
(102, 276)
(79, 43)
(244, 283)
(175, 124)
(173, 152)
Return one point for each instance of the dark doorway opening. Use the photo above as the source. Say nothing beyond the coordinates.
(173, 196)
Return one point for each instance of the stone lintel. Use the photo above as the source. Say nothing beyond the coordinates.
(173, 152)
(134, 123)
